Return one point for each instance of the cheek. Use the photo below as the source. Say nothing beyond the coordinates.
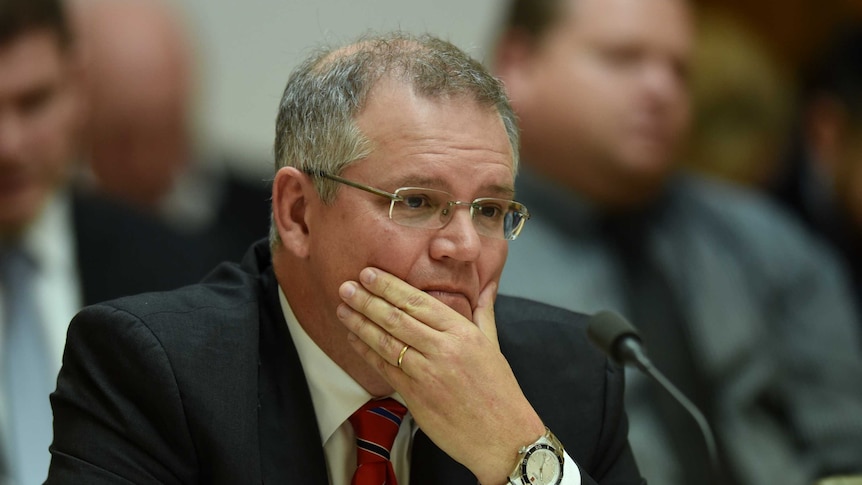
(398, 250)
(52, 137)
(682, 114)
(493, 259)
(358, 239)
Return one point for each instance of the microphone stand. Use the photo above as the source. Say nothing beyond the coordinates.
(711, 447)
(621, 342)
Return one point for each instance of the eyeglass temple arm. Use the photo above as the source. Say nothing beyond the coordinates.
(355, 185)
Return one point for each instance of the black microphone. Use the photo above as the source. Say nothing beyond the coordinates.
(617, 338)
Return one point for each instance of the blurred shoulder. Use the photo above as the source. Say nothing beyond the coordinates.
(744, 218)
(734, 203)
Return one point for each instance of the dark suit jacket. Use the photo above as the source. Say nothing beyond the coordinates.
(203, 385)
(243, 214)
(121, 251)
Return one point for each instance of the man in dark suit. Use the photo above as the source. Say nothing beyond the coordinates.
(378, 284)
(58, 250)
(119, 251)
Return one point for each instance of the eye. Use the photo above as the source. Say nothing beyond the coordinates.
(34, 101)
(417, 201)
(490, 210)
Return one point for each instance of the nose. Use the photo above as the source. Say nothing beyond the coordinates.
(665, 81)
(458, 239)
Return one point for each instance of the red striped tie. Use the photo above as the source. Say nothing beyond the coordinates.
(376, 424)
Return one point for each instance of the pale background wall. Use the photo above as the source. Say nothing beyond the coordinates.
(247, 49)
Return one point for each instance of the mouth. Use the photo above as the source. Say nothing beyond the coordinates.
(652, 131)
(651, 134)
(456, 300)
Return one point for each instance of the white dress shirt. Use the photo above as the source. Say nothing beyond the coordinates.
(50, 241)
(335, 396)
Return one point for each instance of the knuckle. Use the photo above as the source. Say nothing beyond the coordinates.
(392, 292)
(381, 365)
(414, 300)
(366, 302)
(386, 287)
(394, 317)
(356, 323)
(387, 342)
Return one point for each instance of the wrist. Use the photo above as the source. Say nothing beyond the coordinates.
(498, 471)
(495, 462)
(539, 463)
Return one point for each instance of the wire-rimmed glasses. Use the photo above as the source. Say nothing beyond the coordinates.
(433, 209)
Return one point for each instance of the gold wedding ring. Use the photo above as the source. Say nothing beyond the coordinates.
(401, 355)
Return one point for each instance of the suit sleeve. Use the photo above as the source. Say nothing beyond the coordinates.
(118, 413)
(817, 329)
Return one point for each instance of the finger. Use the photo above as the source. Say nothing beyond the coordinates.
(386, 315)
(399, 379)
(379, 341)
(483, 315)
(412, 301)
(401, 355)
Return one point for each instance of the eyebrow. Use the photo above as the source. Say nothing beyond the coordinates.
(497, 190)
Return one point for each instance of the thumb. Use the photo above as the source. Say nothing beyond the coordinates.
(483, 316)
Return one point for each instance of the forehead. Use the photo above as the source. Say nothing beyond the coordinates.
(444, 138)
(666, 23)
(30, 60)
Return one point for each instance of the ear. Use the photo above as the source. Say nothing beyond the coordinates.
(826, 126)
(291, 192)
(512, 58)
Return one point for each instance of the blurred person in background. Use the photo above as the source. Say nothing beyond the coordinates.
(822, 179)
(141, 142)
(741, 103)
(739, 306)
(59, 249)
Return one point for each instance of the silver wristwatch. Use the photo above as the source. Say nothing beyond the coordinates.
(540, 463)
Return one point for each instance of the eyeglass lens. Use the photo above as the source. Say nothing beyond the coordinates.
(432, 209)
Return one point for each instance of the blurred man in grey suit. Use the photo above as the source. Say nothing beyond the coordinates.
(747, 313)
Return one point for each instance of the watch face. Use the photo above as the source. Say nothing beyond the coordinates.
(542, 466)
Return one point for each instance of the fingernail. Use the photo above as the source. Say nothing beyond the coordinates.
(347, 289)
(342, 311)
(368, 275)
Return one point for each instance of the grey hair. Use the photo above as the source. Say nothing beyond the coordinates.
(315, 129)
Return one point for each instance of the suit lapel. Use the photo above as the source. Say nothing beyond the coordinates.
(289, 438)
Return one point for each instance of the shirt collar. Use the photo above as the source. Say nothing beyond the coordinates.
(47, 240)
(334, 394)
